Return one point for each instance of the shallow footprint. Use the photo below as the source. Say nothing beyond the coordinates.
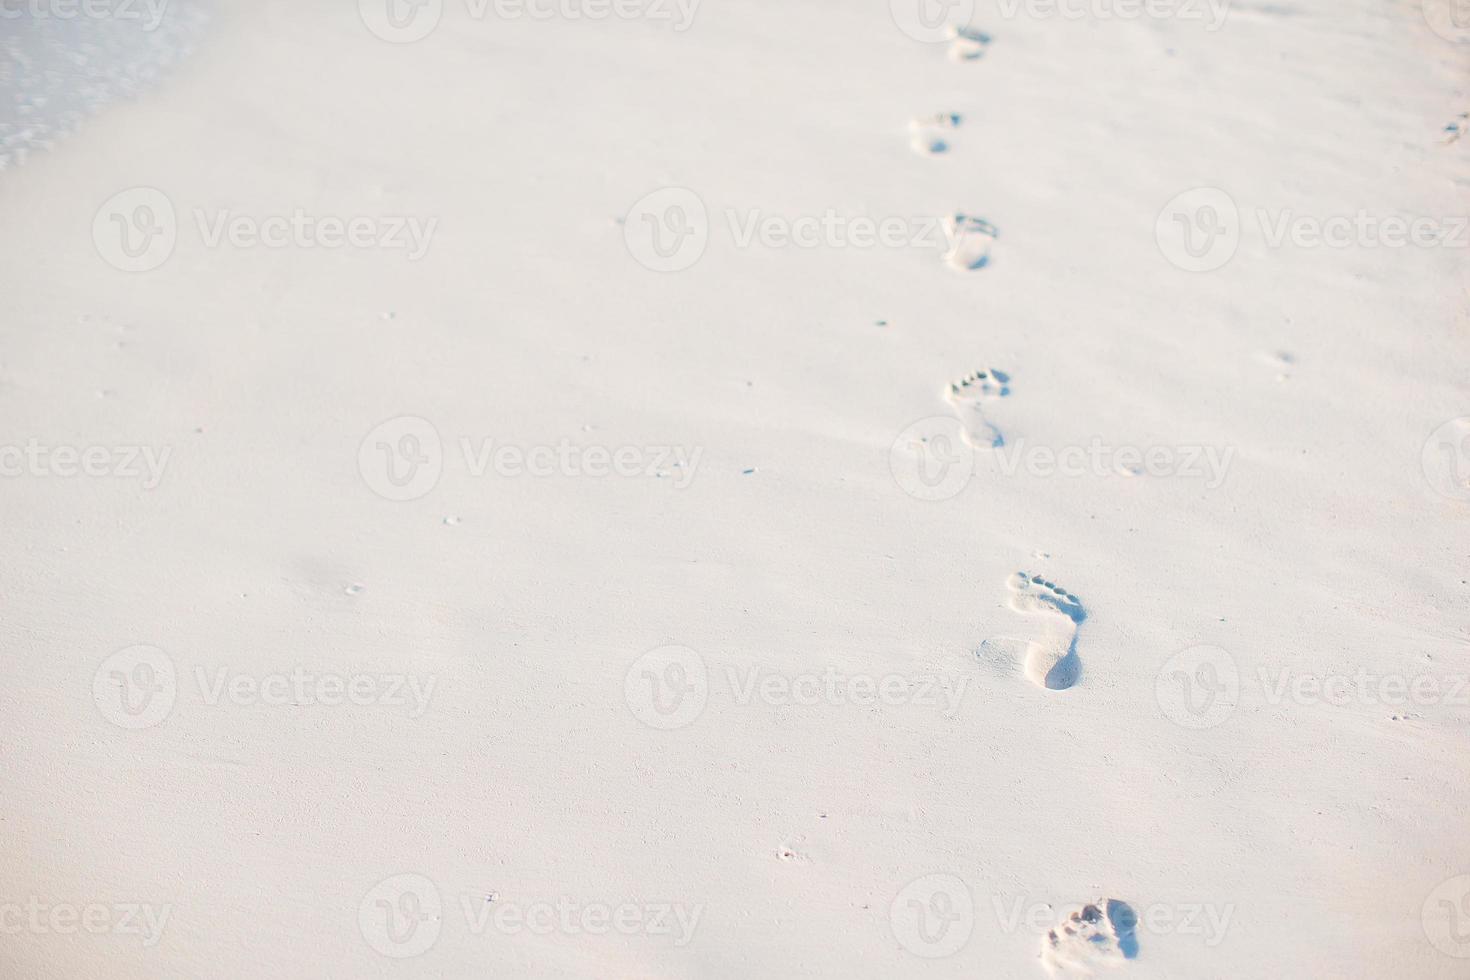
(1051, 662)
(967, 44)
(970, 239)
(927, 133)
(1100, 934)
(967, 396)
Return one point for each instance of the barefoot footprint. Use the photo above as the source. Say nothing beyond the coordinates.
(927, 133)
(1100, 934)
(1051, 662)
(967, 395)
(966, 43)
(969, 241)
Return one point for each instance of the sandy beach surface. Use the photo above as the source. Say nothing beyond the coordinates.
(741, 488)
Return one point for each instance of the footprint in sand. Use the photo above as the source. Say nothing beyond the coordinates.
(927, 133)
(968, 395)
(967, 44)
(1051, 662)
(1100, 934)
(969, 241)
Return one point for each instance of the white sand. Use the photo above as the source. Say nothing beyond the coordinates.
(743, 831)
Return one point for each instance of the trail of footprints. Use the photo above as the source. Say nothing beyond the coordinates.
(1102, 933)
